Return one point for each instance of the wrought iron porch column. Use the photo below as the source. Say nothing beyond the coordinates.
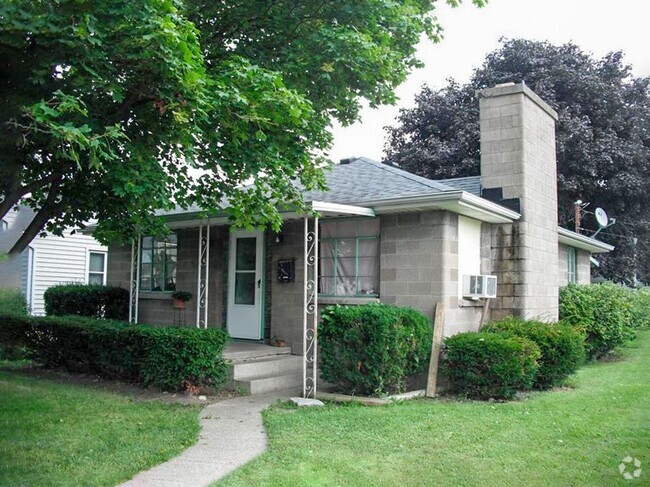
(203, 276)
(310, 309)
(134, 285)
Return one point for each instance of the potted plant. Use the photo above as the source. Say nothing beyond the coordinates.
(180, 298)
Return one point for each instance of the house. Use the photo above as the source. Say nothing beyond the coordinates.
(382, 235)
(47, 261)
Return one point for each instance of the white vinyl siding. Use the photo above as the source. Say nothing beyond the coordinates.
(60, 260)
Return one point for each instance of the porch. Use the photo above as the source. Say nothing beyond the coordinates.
(233, 275)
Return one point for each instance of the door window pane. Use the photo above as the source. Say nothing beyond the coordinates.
(245, 288)
(246, 253)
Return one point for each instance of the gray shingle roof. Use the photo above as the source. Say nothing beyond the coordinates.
(363, 179)
(471, 184)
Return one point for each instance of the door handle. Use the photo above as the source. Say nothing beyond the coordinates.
(259, 283)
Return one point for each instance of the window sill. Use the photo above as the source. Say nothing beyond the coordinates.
(470, 303)
(161, 295)
(347, 300)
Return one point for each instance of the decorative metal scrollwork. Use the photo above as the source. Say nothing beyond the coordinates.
(203, 277)
(134, 287)
(310, 311)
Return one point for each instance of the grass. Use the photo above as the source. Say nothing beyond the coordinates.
(570, 437)
(68, 435)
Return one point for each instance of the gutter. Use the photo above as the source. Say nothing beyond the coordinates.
(577, 240)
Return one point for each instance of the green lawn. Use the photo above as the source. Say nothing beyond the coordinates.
(61, 434)
(561, 438)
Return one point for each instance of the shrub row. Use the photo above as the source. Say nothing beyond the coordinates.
(87, 300)
(372, 349)
(608, 314)
(512, 355)
(562, 347)
(171, 358)
(12, 302)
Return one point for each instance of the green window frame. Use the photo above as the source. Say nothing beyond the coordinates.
(349, 258)
(572, 273)
(158, 263)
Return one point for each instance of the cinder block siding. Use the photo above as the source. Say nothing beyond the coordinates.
(156, 308)
(419, 266)
(287, 298)
(518, 155)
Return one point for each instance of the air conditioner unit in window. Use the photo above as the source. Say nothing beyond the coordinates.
(481, 286)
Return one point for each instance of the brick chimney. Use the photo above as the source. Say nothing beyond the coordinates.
(518, 170)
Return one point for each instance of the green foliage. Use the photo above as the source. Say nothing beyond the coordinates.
(114, 102)
(171, 358)
(562, 347)
(13, 333)
(12, 301)
(372, 349)
(641, 309)
(182, 295)
(603, 152)
(108, 302)
(603, 311)
(490, 365)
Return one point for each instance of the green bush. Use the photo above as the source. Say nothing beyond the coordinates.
(12, 302)
(490, 365)
(372, 349)
(87, 300)
(603, 311)
(168, 357)
(562, 347)
(641, 309)
(13, 332)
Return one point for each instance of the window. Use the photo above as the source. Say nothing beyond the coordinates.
(158, 263)
(3, 225)
(349, 257)
(97, 268)
(571, 265)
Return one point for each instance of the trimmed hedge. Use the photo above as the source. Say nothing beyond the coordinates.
(487, 365)
(605, 312)
(87, 300)
(12, 302)
(641, 309)
(171, 358)
(562, 347)
(372, 349)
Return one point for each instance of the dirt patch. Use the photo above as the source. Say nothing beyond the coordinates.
(130, 390)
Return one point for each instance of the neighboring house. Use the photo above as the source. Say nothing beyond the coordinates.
(47, 261)
(385, 235)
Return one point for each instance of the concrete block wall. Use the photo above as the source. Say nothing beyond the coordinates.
(419, 266)
(155, 308)
(287, 298)
(518, 156)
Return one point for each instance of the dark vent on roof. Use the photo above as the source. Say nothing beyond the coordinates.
(347, 160)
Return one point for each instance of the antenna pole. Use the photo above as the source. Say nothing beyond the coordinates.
(577, 215)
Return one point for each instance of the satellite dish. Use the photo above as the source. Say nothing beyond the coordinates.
(601, 217)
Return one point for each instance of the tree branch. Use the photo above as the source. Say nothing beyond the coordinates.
(37, 224)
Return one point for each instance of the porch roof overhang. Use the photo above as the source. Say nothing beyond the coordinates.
(460, 202)
(583, 242)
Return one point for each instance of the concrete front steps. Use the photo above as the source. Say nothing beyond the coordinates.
(265, 369)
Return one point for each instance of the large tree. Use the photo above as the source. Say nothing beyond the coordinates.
(112, 109)
(603, 137)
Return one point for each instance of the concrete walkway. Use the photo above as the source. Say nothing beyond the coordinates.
(232, 434)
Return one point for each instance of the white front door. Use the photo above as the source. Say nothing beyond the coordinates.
(245, 282)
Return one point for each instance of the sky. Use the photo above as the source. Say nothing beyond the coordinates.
(596, 26)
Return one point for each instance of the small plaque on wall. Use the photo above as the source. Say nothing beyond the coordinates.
(286, 270)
